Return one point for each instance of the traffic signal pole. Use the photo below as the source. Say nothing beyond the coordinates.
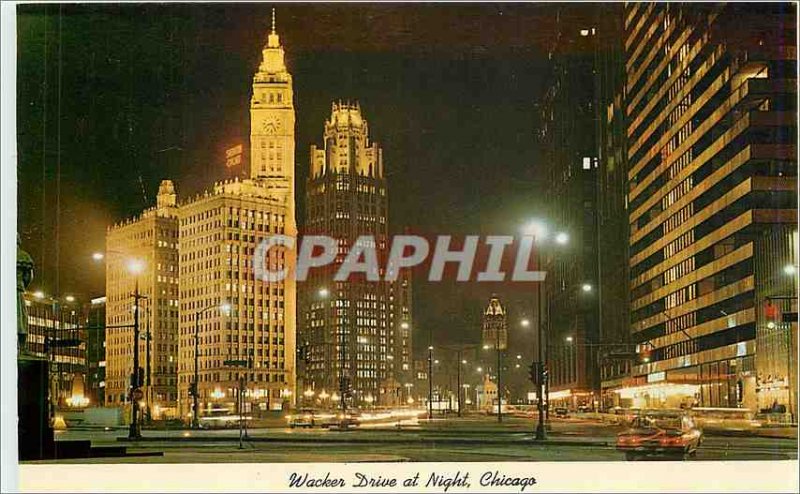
(134, 432)
(541, 435)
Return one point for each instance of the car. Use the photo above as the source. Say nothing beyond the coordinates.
(561, 412)
(663, 433)
(303, 418)
(337, 420)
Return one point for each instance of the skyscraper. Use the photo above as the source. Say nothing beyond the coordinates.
(614, 356)
(712, 166)
(348, 331)
(148, 244)
(567, 135)
(237, 330)
(494, 330)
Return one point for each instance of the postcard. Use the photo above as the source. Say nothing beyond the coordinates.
(400, 247)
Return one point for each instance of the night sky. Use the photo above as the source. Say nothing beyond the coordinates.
(114, 98)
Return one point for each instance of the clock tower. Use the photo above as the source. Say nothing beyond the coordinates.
(272, 122)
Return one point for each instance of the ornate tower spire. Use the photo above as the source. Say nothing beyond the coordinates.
(273, 41)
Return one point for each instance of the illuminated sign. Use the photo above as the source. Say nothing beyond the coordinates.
(656, 377)
(233, 156)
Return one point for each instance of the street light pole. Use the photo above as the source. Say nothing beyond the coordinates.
(195, 383)
(458, 379)
(134, 432)
(540, 430)
(430, 382)
(148, 383)
(499, 372)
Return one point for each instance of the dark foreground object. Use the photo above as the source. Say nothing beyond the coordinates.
(36, 437)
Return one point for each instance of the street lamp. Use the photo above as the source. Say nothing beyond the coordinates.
(98, 256)
(790, 269)
(569, 339)
(525, 323)
(135, 267)
(430, 382)
(538, 229)
(586, 287)
(225, 308)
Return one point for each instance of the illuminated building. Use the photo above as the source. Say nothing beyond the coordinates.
(347, 197)
(150, 241)
(711, 125)
(494, 330)
(95, 319)
(246, 324)
(54, 332)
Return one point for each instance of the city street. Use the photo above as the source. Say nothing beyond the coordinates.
(473, 439)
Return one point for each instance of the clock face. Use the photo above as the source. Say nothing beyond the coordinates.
(271, 125)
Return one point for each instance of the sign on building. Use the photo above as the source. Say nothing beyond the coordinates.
(233, 156)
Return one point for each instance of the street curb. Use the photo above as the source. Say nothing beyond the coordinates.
(362, 440)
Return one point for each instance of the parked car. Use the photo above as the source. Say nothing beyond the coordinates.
(660, 433)
(561, 412)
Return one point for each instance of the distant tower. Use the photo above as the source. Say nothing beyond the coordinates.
(272, 122)
(495, 325)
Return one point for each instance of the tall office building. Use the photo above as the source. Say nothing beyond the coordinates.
(243, 325)
(567, 136)
(612, 216)
(349, 331)
(712, 164)
(144, 250)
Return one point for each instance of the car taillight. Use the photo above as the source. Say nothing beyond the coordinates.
(668, 441)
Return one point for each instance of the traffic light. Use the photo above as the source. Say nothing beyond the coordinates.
(345, 387)
(644, 355)
(772, 314)
(538, 373)
(534, 372)
(138, 378)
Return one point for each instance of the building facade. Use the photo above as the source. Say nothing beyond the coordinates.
(711, 127)
(143, 252)
(244, 325)
(55, 333)
(612, 215)
(349, 332)
(95, 320)
(567, 135)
